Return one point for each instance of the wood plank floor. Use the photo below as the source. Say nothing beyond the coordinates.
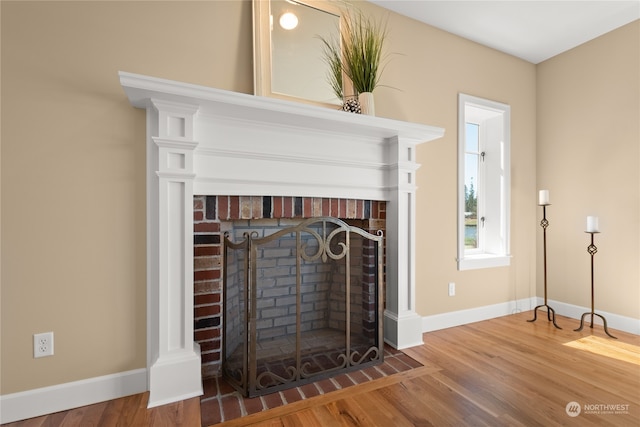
(500, 372)
(130, 411)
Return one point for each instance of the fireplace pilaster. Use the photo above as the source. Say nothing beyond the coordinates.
(173, 358)
(402, 325)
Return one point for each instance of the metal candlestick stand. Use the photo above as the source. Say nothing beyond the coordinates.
(592, 249)
(551, 314)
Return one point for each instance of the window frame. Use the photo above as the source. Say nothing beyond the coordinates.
(494, 191)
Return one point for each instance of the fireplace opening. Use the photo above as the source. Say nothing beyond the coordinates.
(215, 215)
(302, 301)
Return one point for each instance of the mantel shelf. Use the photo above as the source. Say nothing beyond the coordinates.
(141, 89)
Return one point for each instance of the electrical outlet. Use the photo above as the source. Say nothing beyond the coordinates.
(452, 289)
(43, 344)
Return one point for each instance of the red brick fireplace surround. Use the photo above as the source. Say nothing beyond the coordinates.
(211, 216)
(205, 141)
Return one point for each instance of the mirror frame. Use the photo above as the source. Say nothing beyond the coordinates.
(262, 48)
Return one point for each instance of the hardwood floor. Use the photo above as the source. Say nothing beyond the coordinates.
(130, 411)
(500, 372)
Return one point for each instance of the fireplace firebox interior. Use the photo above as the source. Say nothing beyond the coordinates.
(302, 302)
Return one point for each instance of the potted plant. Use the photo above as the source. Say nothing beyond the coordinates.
(333, 58)
(358, 53)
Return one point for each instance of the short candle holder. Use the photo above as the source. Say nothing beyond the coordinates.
(551, 314)
(592, 249)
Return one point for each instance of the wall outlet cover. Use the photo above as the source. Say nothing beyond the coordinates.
(43, 344)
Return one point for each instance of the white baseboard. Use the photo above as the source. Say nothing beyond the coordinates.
(462, 317)
(614, 321)
(62, 397)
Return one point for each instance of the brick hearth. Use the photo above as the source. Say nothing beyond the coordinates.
(221, 402)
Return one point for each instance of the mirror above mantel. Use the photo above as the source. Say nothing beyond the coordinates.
(288, 62)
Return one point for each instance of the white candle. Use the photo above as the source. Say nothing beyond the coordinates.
(543, 197)
(592, 224)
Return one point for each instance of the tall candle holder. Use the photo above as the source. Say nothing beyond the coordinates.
(592, 249)
(551, 314)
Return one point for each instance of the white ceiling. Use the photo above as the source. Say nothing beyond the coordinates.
(531, 30)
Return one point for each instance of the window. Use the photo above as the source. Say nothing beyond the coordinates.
(483, 183)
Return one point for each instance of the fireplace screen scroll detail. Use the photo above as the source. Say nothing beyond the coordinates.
(301, 303)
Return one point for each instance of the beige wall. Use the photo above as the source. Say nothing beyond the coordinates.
(73, 178)
(73, 186)
(431, 68)
(588, 154)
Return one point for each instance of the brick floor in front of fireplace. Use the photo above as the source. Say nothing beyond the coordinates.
(221, 402)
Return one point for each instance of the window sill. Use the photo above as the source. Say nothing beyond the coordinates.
(473, 262)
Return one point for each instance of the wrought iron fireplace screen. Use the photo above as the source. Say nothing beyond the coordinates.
(301, 304)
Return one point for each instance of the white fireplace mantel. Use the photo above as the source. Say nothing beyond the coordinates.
(205, 141)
